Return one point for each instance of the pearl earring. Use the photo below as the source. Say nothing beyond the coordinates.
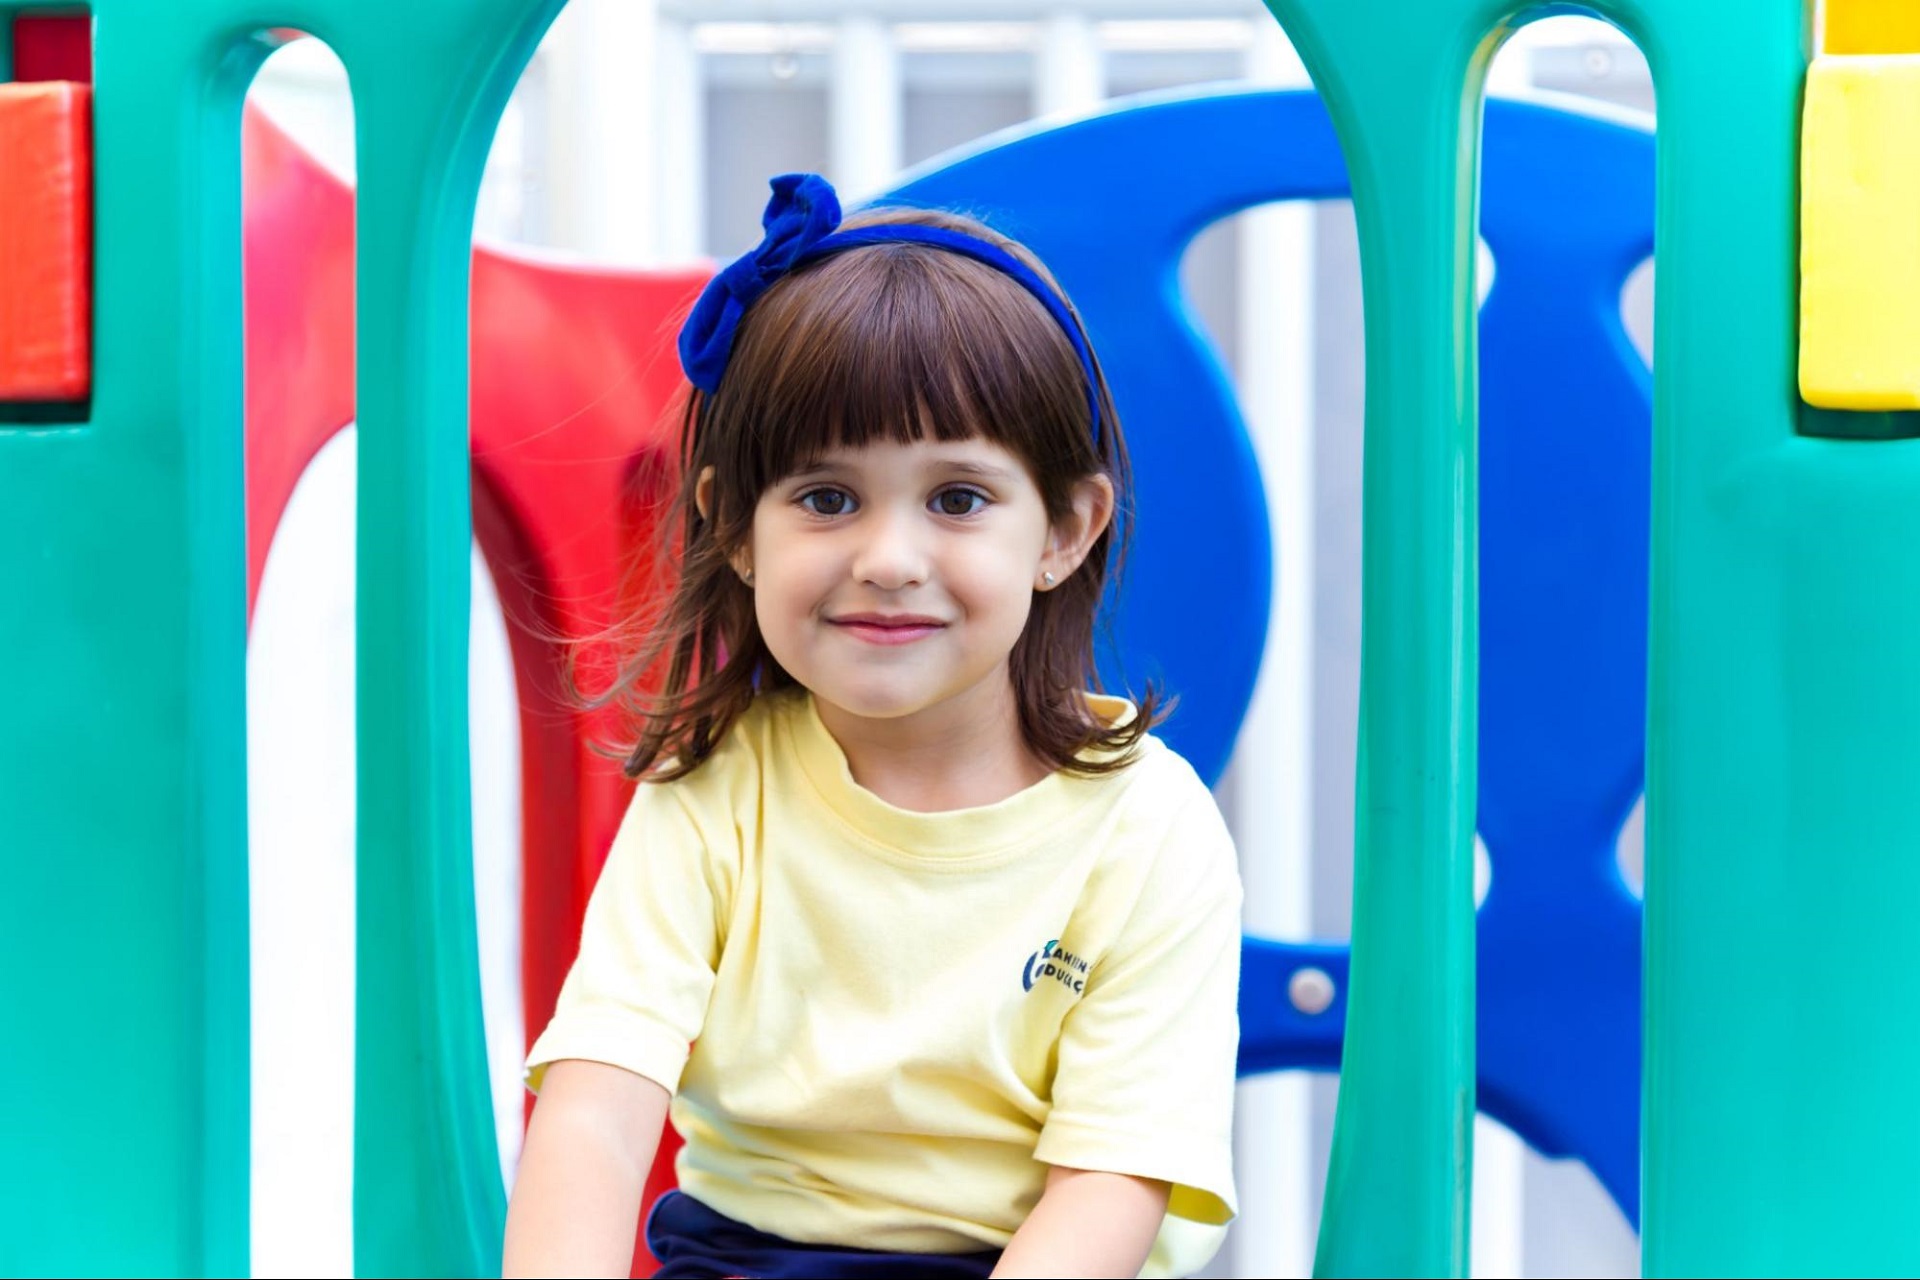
(747, 577)
(1046, 579)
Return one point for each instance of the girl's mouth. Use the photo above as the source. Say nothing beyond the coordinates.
(888, 629)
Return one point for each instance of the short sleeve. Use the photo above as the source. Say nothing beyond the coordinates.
(637, 995)
(1145, 1079)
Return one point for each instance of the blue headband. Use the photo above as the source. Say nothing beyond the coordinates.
(801, 221)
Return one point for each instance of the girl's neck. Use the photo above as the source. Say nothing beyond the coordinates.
(962, 753)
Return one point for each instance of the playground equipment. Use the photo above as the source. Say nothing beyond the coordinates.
(1564, 423)
(1782, 720)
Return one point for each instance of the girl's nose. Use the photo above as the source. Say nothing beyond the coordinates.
(892, 554)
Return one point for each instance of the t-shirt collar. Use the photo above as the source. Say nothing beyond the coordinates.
(1026, 817)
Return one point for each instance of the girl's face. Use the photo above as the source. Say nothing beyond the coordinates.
(893, 578)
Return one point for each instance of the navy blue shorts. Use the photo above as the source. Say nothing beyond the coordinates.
(691, 1240)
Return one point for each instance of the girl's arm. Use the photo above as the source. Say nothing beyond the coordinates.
(589, 1147)
(1087, 1224)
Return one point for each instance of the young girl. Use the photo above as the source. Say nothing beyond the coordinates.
(930, 953)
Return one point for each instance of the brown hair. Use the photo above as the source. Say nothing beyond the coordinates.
(892, 342)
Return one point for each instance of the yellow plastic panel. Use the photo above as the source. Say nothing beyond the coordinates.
(1872, 26)
(1860, 233)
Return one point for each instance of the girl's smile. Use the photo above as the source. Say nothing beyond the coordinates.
(887, 628)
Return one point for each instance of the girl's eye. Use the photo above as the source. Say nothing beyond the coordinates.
(959, 502)
(827, 502)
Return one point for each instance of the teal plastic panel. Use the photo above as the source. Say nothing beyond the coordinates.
(122, 752)
(1783, 993)
(1783, 1001)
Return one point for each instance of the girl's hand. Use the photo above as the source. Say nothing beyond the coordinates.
(1087, 1224)
(590, 1145)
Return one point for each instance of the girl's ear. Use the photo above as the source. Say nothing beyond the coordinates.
(1072, 536)
(703, 494)
(742, 558)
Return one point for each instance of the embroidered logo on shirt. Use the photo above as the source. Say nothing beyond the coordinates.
(1064, 967)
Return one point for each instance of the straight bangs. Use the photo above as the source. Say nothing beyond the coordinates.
(899, 343)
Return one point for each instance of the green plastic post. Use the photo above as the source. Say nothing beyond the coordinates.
(1401, 81)
(427, 1193)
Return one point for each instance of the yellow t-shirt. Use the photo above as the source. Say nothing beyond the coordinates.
(899, 1019)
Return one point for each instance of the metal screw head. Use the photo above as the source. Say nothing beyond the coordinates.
(1311, 991)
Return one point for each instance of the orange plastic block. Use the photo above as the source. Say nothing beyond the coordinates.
(1871, 26)
(46, 241)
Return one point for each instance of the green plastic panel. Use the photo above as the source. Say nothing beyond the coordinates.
(1782, 1131)
(1783, 882)
(122, 747)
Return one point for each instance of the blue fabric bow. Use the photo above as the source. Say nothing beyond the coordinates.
(803, 211)
(800, 222)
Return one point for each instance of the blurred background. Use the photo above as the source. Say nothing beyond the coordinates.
(642, 134)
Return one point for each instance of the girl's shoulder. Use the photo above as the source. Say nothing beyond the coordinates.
(1160, 845)
(1153, 770)
(1159, 795)
(743, 755)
